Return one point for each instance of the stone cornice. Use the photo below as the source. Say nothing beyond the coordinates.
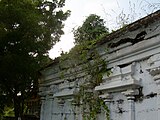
(128, 54)
(65, 92)
(135, 52)
(120, 80)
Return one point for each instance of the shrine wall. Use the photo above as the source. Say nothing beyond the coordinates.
(131, 92)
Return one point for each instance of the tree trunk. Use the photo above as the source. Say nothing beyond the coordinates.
(22, 105)
(17, 107)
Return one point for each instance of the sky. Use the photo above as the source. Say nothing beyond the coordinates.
(109, 10)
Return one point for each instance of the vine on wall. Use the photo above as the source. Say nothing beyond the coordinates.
(86, 57)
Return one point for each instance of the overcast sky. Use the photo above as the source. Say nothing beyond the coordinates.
(107, 9)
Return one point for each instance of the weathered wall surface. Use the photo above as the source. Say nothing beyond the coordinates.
(131, 92)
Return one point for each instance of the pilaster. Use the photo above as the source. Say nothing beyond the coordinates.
(42, 108)
(130, 94)
(107, 98)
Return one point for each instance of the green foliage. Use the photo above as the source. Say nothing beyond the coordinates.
(2, 105)
(92, 27)
(85, 57)
(9, 111)
(91, 103)
(28, 29)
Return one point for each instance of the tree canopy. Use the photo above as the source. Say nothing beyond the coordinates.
(91, 28)
(28, 29)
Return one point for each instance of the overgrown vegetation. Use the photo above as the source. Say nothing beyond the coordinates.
(85, 57)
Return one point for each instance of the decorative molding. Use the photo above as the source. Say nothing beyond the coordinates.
(120, 80)
(136, 52)
(154, 66)
(42, 98)
(44, 91)
(66, 84)
(50, 97)
(131, 93)
(106, 97)
(61, 101)
(42, 94)
(66, 92)
(53, 89)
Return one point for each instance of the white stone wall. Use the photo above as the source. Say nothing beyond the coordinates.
(131, 92)
(134, 103)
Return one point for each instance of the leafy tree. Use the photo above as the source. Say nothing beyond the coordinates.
(28, 29)
(83, 57)
(91, 28)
